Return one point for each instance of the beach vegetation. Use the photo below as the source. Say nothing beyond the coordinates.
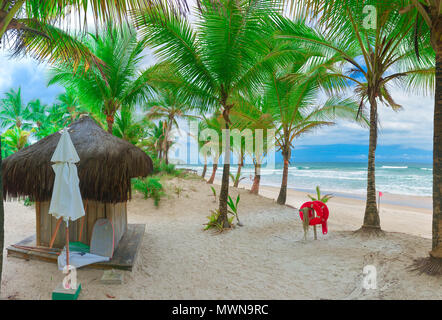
(150, 188)
(120, 84)
(214, 224)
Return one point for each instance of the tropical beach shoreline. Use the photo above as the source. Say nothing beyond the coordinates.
(399, 213)
(264, 259)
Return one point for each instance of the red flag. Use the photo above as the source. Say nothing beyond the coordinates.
(380, 194)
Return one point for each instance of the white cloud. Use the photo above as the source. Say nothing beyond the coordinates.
(411, 127)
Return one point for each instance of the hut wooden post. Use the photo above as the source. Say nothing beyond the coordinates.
(38, 222)
(80, 237)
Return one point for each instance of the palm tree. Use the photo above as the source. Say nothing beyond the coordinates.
(212, 147)
(169, 106)
(431, 13)
(387, 54)
(223, 54)
(119, 84)
(251, 113)
(245, 132)
(296, 110)
(16, 138)
(202, 143)
(155, 139)
(69, 100)
(29, 26)
(128, 127)
(13, 110)
(36, 112)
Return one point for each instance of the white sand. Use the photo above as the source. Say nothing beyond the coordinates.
(265, 259)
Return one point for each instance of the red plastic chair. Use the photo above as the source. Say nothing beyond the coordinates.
(322, 214)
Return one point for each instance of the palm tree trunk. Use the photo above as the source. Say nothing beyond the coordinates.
(224, 193)
(256, 179)
(203, 175)
(2, 219)
(371, 217)
(110, 123)
(7, 18)
(238, 172)
(167, 145)
(214, 168)
(282, 197)
(437, 161)
(166, 153)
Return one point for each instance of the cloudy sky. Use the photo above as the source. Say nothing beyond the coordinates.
(404, 136)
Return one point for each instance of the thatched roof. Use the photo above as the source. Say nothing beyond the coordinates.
(106, 165)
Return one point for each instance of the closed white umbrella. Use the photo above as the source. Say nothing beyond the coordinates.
(66, 201)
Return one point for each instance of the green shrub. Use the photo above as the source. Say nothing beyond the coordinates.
(150, 187)
(28, 202)
(160, 167)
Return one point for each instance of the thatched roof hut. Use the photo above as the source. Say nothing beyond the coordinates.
(106, 165)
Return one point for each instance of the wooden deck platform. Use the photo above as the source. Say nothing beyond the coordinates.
(123, 258)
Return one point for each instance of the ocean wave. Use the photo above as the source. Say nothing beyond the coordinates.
(394, 167)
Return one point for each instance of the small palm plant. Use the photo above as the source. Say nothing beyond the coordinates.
(233, 208)
(214, 192)
(319, 197)
(213, 221)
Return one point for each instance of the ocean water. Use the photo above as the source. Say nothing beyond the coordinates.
(396, 178)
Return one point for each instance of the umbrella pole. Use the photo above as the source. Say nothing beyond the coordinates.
(55, 232)
(67, 245)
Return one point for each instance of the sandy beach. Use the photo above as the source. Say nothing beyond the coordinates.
(265, 259)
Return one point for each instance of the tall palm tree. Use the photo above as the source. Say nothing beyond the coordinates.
(387, 56)
(431, 13)
(292, 100)
(224, 53)
(427, 17)
(120, 83)
(30, 27)
(13, 110)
